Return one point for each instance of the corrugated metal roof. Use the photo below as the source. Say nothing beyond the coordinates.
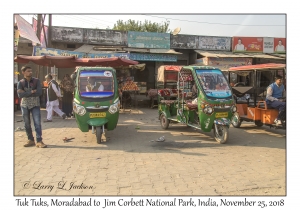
(218, 54)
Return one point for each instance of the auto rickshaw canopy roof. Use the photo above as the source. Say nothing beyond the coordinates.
(267, 66)
(72, 61)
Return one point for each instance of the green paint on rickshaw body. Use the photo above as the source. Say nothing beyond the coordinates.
(96, 99)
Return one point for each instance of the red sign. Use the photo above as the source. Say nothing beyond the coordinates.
(279, 45)
(247, 44)
(42, 37)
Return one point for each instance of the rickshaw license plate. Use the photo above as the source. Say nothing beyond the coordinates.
(98, 114)
(221, 114)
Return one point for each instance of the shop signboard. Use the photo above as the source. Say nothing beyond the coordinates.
(181, 41)
(214, 43)
(108, 55)
(153, 57)
(67, 34)
(148, 40)
(39, 51)
(247, 44)
(226, 63)
(105, 37)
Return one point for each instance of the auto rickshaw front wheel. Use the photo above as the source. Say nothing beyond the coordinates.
(221, 133)
(236, 121)
(98, 134)
(164, 122)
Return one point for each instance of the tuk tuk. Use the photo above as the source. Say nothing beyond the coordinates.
(202, 99)
(167, 76)
(96, 99)
(250, 85)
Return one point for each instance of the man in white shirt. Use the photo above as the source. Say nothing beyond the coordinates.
(240, 46)
(279, 47)
(53, 94)
(92, 85)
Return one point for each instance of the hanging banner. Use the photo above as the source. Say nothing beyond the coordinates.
(43, 37)
(148, 40)
(268, 45)
(247, 44)
(16, 39)
(26, 30)
(279, 45)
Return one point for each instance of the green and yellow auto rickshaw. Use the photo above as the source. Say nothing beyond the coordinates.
(203, 100)
(96, 99)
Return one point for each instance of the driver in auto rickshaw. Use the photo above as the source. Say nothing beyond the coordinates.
(93, 85)
(274, 99)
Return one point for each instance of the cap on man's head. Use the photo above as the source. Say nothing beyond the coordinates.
(48, 76)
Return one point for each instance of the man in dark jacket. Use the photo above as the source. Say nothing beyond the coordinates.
(29, 89)
(53, 94)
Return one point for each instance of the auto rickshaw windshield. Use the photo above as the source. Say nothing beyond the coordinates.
(96, 84)
(213, 83)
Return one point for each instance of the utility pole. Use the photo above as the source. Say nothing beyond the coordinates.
(38, 31)
(50, 31)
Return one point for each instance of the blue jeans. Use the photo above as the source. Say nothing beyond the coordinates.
(36, 115)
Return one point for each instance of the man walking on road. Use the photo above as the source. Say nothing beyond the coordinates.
(29, 90)
(53, 94)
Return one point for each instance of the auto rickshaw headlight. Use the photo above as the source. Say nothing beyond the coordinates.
(80, 110)
(208, 109)
(233, 108)
(114, 108)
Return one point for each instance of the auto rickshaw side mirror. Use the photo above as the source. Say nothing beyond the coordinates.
(73, 76)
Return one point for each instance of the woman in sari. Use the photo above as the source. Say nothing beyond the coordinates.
(67, 87)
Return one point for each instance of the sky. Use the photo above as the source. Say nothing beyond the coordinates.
(212, 25)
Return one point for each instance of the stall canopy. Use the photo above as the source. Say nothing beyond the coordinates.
(72, 61)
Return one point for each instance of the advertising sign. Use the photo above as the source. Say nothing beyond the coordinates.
(214, 43)
(226, 63)
(247, 44)
(148, 40)
(43, 36)
(268, 45)
(26, 30)
(153, 57)
(279, 45)
(105, 37)
(181, 41)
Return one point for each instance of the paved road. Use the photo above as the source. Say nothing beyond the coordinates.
(252, 162)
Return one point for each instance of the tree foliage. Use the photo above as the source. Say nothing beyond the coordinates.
(147, 26)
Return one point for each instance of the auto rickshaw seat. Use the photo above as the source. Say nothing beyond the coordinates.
(167, 95)
(191, 106)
